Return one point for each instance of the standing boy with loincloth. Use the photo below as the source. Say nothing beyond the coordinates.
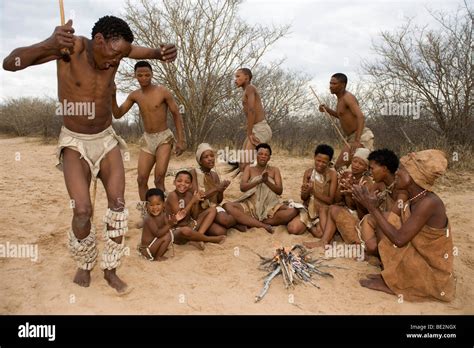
(88, 146)
(317, 193)
(157, 235)
(417, 255)
(260, 205)
(352, 120)
(181, 199)
(346, 214)
(258, 130)
(156, 143)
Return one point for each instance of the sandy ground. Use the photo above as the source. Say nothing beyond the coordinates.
(223, 279)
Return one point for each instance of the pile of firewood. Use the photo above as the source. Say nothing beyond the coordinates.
(294, 265)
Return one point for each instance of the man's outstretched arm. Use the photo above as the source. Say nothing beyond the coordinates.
(166, 53)
(42, 52)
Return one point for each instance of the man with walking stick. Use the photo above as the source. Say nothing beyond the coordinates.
(352, 120)
(88, 146)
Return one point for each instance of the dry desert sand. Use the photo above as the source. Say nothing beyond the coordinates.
(222, 279)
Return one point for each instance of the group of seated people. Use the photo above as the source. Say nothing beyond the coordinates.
(380, 202)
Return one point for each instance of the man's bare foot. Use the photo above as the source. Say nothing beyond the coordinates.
(82, 278)
(161, 258)
(198, 245)
(376, 284)
(114, 281)
(312, 245)
(221, 239)
(241, 228)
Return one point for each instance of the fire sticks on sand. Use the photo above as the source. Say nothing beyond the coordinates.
(295, 266)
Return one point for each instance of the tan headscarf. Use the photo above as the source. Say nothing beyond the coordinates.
(363, 154)
(201, 149)
(425, 166)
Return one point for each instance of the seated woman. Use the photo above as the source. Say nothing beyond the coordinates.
(417, 257)
(260, 204)
(345, 215)
(317, 193)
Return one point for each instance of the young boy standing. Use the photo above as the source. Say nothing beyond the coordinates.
(154, 102)
(352, 120)
(258, 130)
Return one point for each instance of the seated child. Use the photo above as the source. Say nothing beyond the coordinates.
(181, 199)
(317, 193)
(156, 235)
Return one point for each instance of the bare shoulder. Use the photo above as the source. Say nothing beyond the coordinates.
(432, 205)
(250, 89)
(332, 173)
(134, 95)
(160, 220)
(274, 170)
(172, 196)
(434, 200)
(349, 98)
(148, 221)
(307, 173)
(215, 176)
(161, 90)
(249, 170)
(80, 44)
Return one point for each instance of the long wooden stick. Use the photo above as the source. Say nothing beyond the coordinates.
(61, 11)
(330, 119)
(64, 51)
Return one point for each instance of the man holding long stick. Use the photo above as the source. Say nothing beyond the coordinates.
(88, 146)
(352, 120)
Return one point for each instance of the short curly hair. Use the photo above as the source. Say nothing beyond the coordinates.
(324, 150)
(264, 146)
(247, 72)
(155, 192)
(385, 157)
(112, 27)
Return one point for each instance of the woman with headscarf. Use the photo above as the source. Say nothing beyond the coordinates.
(417, 257)
(206, 179)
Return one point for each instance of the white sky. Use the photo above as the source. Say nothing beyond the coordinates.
(326, 36)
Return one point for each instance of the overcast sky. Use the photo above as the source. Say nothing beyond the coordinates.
(326, 36)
